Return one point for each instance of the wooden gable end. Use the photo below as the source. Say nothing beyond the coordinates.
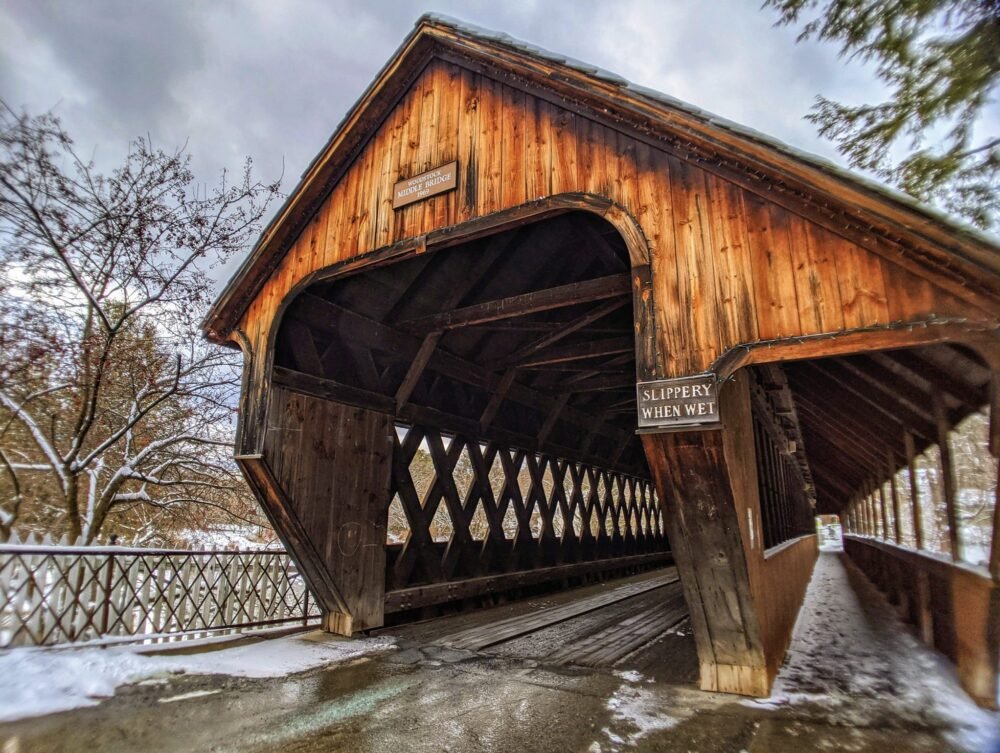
(730, 266)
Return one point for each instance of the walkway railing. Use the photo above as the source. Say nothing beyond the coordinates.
(955, 607)
(57, 594)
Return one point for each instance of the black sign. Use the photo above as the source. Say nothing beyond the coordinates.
(678, 403)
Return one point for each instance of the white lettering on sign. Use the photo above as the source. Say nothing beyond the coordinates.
(675, 403)
(425, 185)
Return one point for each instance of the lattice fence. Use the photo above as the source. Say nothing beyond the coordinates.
(462, 508)
(51, 594)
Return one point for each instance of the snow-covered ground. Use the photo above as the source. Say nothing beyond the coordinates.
(852, 656)
(36, 681)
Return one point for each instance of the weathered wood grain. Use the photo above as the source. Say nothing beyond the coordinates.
(332, 463)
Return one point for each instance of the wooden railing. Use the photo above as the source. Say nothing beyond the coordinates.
(490, 513)
(56, 594)
(781, 579)
(955, 607)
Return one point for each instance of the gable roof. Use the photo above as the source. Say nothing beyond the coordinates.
(941, 242)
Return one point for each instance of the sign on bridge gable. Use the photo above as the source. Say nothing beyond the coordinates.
(425, 185)
(687, 402)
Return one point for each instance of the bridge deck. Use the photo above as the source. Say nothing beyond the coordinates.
(636, 623)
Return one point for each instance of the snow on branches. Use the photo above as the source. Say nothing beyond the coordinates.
(109, 398)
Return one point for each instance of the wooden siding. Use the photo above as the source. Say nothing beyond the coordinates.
(728, 266)
(332, 463)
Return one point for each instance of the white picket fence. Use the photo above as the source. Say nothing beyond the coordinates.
(53, 594)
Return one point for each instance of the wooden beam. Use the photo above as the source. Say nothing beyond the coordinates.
(855, 442)
(329, 389)
(884, 508)
(550, 420)
(948, 487)
(912, 363)
(848, 387)
(304, 350)
(320, 313)
(514, 306)
(416, 369)
(849, 342)
(885, 381)
(421, 596)
(886, 396)
(434, 281)
(580, 351)
(995, 541)
(497, 398)
(606, 383)
(568, 329)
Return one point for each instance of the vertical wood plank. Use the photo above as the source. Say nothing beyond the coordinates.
(897, 511)
(819, 290)
(512, 190)
(948, 487)
(911, 467)
(862, 287)
(562, 151)
(489, 117)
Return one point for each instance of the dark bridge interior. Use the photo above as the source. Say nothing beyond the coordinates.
(508, 366)
(524, 337)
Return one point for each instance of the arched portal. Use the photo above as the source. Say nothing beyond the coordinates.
(459, 419)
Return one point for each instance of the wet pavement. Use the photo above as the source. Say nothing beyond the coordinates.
(422, 697)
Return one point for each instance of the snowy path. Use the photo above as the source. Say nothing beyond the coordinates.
(853, 657)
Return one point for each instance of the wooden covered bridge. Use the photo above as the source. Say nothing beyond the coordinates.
(585, 330)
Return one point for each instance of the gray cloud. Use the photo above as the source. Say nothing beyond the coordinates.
(271, 79)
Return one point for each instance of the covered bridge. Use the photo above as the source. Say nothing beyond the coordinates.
(623, 331)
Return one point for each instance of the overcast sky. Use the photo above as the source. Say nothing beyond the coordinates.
(270, 79)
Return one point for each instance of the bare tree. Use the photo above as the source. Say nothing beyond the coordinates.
(108, 396)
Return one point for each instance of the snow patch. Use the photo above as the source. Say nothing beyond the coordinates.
(630, 675)
(38, 681)
(639, 710)
(281, 656)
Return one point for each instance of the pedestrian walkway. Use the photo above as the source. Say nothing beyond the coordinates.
(855, 675)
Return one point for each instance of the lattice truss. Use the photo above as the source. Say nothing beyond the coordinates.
(49, 596)
(462, 508)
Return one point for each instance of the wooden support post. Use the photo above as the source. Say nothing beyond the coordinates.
(995, 543)
(883, 509)
(870, 507)
(925, 617)
(995, 451)
(911, 466)
(707, 481)
(947, 477)
(897, 510)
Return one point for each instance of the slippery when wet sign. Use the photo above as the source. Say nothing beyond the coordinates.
(678, 403)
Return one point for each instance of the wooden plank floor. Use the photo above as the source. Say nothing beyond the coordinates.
(632, 623)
